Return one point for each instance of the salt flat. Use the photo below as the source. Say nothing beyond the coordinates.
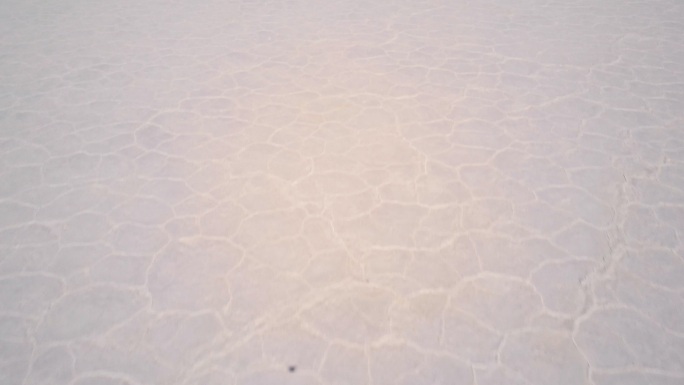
(350, 192)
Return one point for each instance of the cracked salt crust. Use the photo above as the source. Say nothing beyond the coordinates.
(353, 193)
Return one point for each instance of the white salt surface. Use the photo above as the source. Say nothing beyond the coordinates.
(342, 192)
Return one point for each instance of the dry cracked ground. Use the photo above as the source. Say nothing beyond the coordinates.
(342, 192)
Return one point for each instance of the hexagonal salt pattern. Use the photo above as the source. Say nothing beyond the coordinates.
(342, 192)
